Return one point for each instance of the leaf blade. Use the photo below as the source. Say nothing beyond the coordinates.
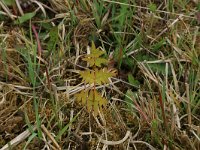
(25, 18)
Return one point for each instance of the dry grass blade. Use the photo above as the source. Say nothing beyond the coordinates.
(145, 143)
(18, 139)
(6, 10)
(19, 7)
(167, 28)
(128, 133)
(40, 6)
(50, 136)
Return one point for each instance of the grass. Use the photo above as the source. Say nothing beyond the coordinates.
(153, 103)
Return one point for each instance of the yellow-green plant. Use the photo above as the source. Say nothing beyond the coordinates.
(96, 75)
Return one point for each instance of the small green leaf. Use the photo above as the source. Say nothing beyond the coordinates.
(156, 47)
(95, 61)
(88, 76)
(96, 76)
(100, 61)
(133, 81)
(198, 6)
(51, 45)
(92, 100)
(46, 25)
(94, 58)
(98, 102)
(159, 68)
(152, 7)
(25, 18)
(82, 97)
(102, 76)
(128, 99)
(9, 2)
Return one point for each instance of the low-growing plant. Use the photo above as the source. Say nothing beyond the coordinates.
(95, 75)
